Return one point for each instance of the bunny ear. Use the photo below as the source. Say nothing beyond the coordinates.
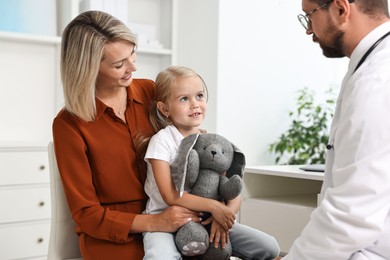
(179, 164)
(238, 163)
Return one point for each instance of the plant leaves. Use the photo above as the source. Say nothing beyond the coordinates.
(305, 141)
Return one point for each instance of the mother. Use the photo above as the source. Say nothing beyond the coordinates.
(95, 138)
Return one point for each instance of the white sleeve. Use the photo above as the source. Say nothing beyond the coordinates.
(158, 148)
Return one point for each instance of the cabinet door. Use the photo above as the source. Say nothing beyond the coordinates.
(282, 220)
(24, 203)
(23, 167)
(28, 73)
(24, 240)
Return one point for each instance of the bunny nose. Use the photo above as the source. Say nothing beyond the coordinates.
(213, 152)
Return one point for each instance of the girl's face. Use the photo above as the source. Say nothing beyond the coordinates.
(186, 106)
(117, 67)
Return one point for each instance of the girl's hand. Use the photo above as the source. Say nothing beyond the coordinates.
(224, 215)
(217, 233)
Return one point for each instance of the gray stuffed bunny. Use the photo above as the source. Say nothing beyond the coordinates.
(206, 165)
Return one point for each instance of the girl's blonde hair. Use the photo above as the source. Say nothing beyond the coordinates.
(82, 50)
(165, 80)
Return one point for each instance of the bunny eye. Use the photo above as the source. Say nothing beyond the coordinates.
(204, 148)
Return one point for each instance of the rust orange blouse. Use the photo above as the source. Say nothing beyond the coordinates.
(103, 174)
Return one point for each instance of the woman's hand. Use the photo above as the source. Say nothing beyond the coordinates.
(171, 219)
(217, 233)
(224, 215)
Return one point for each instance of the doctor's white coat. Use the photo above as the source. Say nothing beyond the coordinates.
(352, 220)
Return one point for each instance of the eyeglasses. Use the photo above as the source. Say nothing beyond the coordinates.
(304, 19)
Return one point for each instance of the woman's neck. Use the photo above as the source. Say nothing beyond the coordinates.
(116, 98)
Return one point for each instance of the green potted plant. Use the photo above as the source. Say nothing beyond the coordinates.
(304, 142)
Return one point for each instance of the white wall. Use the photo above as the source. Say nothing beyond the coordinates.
(263, 58)
(197, 47)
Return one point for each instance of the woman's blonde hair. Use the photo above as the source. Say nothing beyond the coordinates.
(82, 50)
(165, 80)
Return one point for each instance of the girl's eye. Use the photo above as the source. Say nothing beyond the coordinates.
(183, 99)
(200, 96)
(119, 65)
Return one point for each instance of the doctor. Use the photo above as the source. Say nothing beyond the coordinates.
(353, 218)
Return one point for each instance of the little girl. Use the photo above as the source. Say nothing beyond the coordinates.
(179, 109)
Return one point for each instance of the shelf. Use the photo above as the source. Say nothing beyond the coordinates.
(304, 200)
(154, 51)
(29, 38)
(265, 184)
(291, 171)
(21, 146)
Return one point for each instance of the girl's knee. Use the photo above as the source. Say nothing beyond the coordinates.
(273, 247)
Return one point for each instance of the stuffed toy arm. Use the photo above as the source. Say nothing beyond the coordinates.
(230, 188)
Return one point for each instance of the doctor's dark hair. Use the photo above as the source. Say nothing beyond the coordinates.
(373, 8)
(165, 80)
(82, 50)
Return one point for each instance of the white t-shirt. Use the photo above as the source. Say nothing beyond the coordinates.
(162, 146)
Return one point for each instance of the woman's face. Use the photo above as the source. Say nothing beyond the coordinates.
(118, 64)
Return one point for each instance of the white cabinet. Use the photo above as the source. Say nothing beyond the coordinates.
(31, 95)
(30, 98)
(279, 200)
(25, 202)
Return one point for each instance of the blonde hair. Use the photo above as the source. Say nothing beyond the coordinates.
(165, 80)
(82, 50)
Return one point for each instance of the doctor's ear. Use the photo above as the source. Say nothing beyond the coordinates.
(342, 9)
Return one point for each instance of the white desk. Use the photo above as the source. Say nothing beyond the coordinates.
(279, 200)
